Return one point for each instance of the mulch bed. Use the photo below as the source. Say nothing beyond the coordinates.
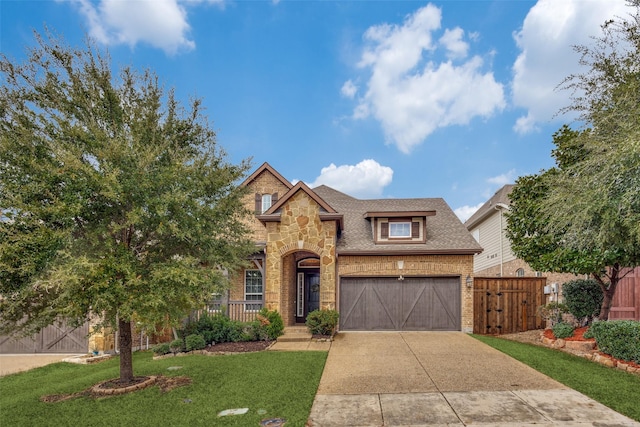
(577, 335)
(101, 390)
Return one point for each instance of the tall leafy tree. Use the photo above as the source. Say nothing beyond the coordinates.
(583, 216)
(118, 202)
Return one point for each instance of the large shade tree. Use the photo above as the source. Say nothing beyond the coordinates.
(583, 215)
(117, 200)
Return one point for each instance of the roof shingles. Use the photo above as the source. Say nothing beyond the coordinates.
(445, 233)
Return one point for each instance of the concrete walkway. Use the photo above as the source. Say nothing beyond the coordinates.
(13, 363)
(442, 379)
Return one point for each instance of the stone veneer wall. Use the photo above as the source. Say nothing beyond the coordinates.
(300, 229)
(265, 183)
(416, 265)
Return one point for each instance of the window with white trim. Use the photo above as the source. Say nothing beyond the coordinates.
(400, 229)
(266, 202)
(520, 272)
(253, 290)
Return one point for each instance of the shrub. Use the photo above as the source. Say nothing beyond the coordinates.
(618, 338)
(176, 346)
(271, 322)
(562, 330)
(195, 342)
(583, 298)
(162, 349)
(322, 322)
(553, 311)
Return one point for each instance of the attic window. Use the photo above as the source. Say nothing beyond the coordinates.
(266, 202)
(400, 230)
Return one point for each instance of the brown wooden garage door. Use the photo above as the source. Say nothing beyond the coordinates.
(389, 304)
(57, 338)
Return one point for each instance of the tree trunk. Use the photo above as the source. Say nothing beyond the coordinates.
(608, 291)
(126, 358)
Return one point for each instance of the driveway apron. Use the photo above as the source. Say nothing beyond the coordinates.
(442, 379)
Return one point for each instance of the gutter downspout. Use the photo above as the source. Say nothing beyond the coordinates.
(499, 207)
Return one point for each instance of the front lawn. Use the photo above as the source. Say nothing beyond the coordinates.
(618, 390)
(270, 384)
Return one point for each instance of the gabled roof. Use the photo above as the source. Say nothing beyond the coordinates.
(327, 212)
(499, 200)
(266, 167)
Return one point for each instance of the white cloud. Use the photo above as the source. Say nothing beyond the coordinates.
(453, 41)
(349, 89)
(505, 178)
(546, 41)
(160, 23)
(412, 94)
(367, 179)
(465, 212)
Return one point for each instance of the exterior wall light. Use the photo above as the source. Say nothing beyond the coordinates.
(469, 281)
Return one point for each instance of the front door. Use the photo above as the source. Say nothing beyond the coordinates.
(308, 294)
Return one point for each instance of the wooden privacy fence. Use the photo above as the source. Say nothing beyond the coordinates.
(626, 301)
(503, 305)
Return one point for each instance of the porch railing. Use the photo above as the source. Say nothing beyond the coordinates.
(243, 311)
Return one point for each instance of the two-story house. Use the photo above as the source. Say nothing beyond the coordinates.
(488, 224)
(384, 264)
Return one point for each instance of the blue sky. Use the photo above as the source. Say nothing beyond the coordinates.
(378, 99)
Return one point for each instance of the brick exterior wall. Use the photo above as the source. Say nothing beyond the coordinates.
(417, 265)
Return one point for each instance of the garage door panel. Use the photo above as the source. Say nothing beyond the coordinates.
(390, 304)
(353, 307)
(384, 306)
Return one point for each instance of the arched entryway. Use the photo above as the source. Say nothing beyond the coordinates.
(307, 287)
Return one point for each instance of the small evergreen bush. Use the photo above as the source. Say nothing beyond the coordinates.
(194, 342)
(162, 349)
(322, 322)
(562, 330)
(618, 338)
(583, 298)
(176, 346)
(272, 323)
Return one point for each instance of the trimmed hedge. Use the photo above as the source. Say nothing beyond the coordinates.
(322, 322)
(562, 330)
(583, 298)
(618, 338)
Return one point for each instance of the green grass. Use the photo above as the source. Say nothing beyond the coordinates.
(270, 384)
(616, 389)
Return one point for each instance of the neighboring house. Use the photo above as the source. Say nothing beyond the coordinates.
(487, 225)
(385, 264)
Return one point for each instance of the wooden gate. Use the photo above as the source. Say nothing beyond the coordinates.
(504, 305)
(57, 338)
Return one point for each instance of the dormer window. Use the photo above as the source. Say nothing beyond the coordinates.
(399, 227)
(401, 230)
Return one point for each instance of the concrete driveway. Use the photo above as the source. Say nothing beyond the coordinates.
(442, 379)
